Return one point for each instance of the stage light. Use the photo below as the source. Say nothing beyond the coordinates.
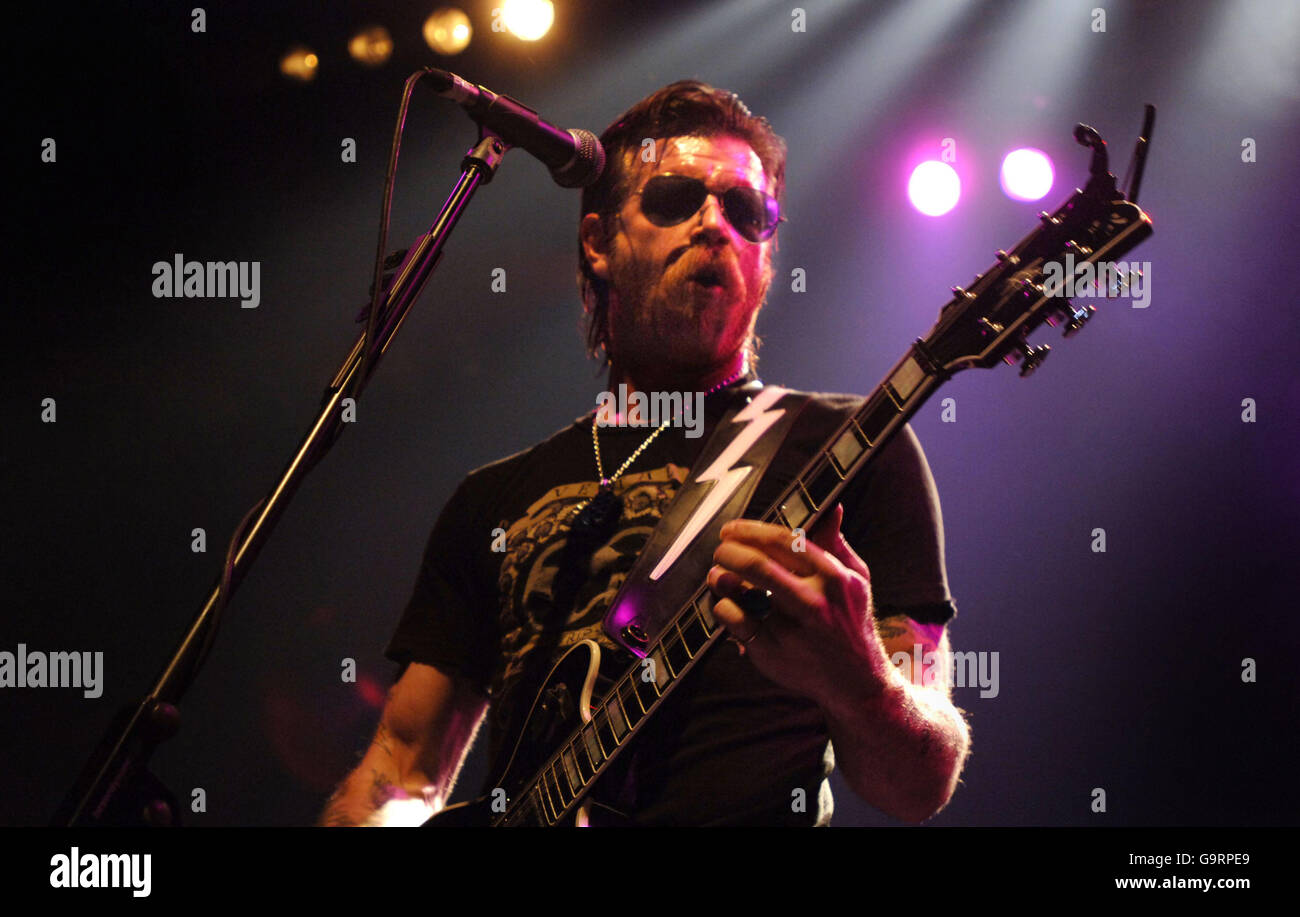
(528, 19)
(1027, 174)
(371, 46)
(934, 188)
(299, 64)
(447, 30)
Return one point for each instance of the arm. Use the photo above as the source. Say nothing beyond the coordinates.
(427, 725)
(899, 740)
(901, 744)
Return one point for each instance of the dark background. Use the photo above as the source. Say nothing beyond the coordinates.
(1119, 670)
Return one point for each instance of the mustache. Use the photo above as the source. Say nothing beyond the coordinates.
(695, 260)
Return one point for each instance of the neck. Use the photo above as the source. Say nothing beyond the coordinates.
(675, 379)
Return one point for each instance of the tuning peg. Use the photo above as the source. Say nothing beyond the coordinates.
(1048, 219)
(1004, 258)
(1031, 289)
(1076, 317)
(1031, 357)
(1076, 247)
(1122, 281)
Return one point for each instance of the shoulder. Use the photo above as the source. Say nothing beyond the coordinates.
(498, 475)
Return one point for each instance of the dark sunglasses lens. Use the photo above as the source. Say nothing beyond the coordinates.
(752, 212)
(669, 199)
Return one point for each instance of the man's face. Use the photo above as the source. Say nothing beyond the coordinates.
(683, 297)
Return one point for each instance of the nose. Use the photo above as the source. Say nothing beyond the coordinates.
(711, 221)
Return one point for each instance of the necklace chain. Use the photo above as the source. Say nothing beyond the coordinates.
(607, 484)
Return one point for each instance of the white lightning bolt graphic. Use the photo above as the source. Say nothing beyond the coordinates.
(757, 419)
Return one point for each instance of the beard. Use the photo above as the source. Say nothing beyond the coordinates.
(693, 313)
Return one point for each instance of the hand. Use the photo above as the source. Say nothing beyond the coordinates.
(820, 639)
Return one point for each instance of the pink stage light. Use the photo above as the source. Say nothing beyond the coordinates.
(934, 188)
(1027, 174)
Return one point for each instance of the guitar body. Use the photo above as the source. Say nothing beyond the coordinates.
(561, 708)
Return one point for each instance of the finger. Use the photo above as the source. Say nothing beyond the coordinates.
(735, 620)
(725, 584)
(826, 533)
(827, 536)
(793, 594)
(792, 550)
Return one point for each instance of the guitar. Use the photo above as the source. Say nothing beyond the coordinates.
(568, 740)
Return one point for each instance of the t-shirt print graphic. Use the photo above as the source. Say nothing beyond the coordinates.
(535, 544)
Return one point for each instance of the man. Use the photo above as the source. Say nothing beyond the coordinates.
(676, 246)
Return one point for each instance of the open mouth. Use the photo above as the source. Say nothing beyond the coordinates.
(708, 277)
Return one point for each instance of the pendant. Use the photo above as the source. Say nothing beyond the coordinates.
(598, 518)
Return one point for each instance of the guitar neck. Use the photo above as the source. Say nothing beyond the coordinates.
(567, 776)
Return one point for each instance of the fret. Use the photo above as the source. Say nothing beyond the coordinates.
(562, 791)
(646, 693)
(694, 634)
(874, 418)
(605, 731)
(571, 770)
(907, 378)
(795, 510)
(848, 448)
(634, 712)
(676, 654)
(823, 483)
(617, 719)
(594, 751)
(662, 675)
(549, 798)
(704, 608)
(581, 764)
(681, 639)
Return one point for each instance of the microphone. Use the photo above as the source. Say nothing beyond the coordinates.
(575, 157)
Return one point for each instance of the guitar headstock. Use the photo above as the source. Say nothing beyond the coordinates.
(991, 320)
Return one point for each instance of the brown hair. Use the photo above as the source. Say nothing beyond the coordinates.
(687, 108)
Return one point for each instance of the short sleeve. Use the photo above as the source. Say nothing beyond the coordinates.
(893, 520)
(449, 621)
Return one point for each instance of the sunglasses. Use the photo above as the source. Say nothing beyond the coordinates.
(667, 200)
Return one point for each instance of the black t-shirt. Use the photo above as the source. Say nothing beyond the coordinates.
(728, 746)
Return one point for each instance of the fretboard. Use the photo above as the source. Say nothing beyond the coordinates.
(569, 773)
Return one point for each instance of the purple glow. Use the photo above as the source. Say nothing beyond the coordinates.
(934, 188)
(1027, 174)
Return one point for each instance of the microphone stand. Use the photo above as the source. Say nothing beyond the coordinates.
(115, 787)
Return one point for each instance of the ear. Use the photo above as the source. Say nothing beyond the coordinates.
(595, 244)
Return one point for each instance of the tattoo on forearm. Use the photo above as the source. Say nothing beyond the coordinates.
(380, 788)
